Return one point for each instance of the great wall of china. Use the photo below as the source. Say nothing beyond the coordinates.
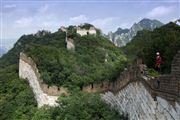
(143, 99)
(132, 93)
(44, 94)
(169, 85)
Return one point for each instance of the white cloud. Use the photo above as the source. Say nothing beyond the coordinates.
(23, 22)
(105, 21)
(80, 18)
(106, 24)
(10, 6)
(160, 11)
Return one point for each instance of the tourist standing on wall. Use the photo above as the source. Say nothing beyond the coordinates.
(158, 62)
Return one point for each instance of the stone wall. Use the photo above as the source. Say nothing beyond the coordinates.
(129, 75)
(44, 94)
(169, 85)
(144, 99)
(138, 103)
(70, 44)
(83, 32)
(168, 88)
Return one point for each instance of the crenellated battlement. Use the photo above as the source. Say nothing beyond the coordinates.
(164, 86)
(130, 74)
(143, 99)
(168, 88)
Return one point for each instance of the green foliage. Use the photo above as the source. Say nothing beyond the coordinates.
(17, 100)
(73, 108)
(79, 106)
(165, 40)
(152, 72)
(86, 26)
(61, 67)
(43, 113)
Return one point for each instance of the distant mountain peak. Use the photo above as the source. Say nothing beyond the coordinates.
(120, 30)
(149, 24)
(122, 36)
(145, 19)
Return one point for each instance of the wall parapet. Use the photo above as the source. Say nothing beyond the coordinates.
(130, 74)
(49, 90)
(165, 86)
(168, 86)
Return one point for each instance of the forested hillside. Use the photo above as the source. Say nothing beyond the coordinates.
(61, 67)
(146, 43)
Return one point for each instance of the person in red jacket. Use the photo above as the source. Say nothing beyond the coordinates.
(158, 62)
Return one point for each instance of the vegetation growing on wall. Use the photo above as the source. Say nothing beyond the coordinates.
(16, 97)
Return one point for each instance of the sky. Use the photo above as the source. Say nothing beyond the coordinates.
(19, 17)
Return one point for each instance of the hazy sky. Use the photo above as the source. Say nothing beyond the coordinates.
(20, 17)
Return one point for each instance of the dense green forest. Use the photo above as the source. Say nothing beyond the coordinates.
(16, 97)
(60, 66)
(146, 43)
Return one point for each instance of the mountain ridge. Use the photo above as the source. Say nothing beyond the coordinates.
(122, 36)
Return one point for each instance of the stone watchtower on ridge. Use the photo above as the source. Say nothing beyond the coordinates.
(82, 31)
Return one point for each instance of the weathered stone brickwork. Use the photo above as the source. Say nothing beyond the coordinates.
(82, 32)
(136, 94)
(127, 76)
(44, 95)
(146, 100)
(169, 85)
(168, 88)
(138, 103)
(70, 44)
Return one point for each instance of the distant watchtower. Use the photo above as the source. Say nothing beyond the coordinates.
(82, 31)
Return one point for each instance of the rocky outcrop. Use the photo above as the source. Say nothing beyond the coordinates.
(122, 36)
(44, 95)
(138, 103)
